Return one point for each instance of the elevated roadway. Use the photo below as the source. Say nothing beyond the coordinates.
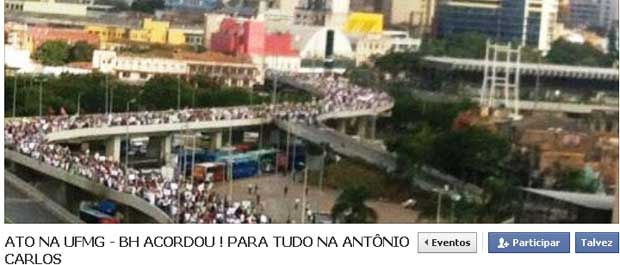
(532, 69)
(24, 204)
(85, 184)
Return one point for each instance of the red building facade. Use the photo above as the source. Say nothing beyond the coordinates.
(250, 38)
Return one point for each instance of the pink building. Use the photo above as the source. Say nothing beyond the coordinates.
(41, 34)
(250, 38)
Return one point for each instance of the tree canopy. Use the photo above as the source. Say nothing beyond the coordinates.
(351, 208)
(57, 52)
(564, 52)
(54, 52)
(81, 52)
(147, 6)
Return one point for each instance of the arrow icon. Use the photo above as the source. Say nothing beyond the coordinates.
(426, 242)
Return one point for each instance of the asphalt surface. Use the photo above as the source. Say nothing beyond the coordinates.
(20, 208)
(345, 144)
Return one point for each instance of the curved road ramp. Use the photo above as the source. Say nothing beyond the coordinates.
(24, 204)
(90, 186)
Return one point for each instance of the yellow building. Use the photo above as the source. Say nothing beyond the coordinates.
(364, 23)
(107, 33)
(176, 37)
(152, 32)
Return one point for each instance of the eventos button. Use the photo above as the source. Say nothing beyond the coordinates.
(444, 242)
(599, 242)
(526, 242)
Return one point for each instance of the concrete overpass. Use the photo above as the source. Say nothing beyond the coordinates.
(532, 69)
(24, 204)
(141, 205)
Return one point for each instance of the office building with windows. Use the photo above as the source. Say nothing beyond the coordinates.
(525, 22)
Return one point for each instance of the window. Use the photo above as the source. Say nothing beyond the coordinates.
(143, 76)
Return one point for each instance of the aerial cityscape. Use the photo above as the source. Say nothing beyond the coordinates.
(311, 111)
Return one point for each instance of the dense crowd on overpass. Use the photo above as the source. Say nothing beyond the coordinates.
(184, 200)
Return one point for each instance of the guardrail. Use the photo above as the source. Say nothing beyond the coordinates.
(153, 129)
(88, 185)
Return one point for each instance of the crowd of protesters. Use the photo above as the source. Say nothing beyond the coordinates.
(184, 200)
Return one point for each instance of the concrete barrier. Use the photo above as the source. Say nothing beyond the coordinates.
(88, 185)
(48, 203)
(145, 130)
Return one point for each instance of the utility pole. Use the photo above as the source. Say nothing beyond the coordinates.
(178, 92)
(40, 97)
(304, 197)
(111, 96)
(79, 100)
(14, 94)
(440, 193)
(230, 180)
(274, 94)
(128, 141)
(107, 95)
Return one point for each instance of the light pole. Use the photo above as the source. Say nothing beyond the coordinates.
(274, 94)
(304, 197)
(455, 198)
(178, 92)
(230, 180)
(41, 96)
(14, 94)
(107, 95)
(127, 136)
(79, 101)
(111, 97)
(440, 193)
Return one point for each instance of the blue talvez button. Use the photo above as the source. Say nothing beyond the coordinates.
(596, 242)
(529, 242)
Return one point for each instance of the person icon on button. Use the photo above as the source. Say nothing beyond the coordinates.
(502, 243)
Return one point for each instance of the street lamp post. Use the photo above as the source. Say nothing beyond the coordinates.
(304, 197)
(79, 101)
(111, 98)
(14, 94)
(455, 198)
(230, 180)
(178, 92)
(440, 193)
(127, 137)
(40, 97)
(274, 95)
(107, 95)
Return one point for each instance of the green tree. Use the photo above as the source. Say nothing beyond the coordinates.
(564, 52)
(471, 154)
(351, 208)
(81, 51)
(162, 93)
(578, 181)
(362, 76)
(147, 6)
(54, 52)
(466, 45)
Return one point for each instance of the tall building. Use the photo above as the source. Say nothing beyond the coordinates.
(592, 13)
(525, 22)
(412, 12)
(330, 13)
(608, 13)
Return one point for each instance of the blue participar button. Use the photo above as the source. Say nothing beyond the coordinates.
(529, 242)
(596, 242)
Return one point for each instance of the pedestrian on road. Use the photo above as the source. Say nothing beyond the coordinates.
(249, 189)
(285, 190)
(297, 201)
